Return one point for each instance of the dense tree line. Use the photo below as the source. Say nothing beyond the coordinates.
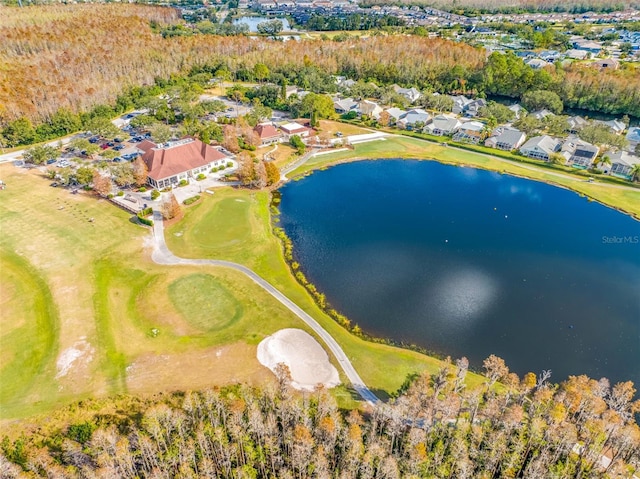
(62, 65)
(435, 428)
(351, 21)
(513, 6)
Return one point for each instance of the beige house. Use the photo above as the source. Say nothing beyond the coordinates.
(174, 161)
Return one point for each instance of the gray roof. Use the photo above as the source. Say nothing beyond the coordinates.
(576, 122)
(396, 113)
(623, 158)
(414, 116)
(545, 143)
(510, 136)
(580, 148)
(634, 134)
(444, 123)
(346, 104)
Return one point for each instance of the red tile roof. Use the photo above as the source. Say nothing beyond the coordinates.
(177, 157)
(267, 131)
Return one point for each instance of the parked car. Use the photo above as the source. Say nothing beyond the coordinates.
(118, 147)
(104, 146)
(94, 139)
(63, 164)
(117, 159)
(51, 161)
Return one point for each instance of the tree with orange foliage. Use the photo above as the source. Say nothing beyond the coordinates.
(102, 184)
(140, 171)
(230, 139)
(171, 208)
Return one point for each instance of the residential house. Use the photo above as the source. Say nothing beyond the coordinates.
(540, 147)
(346, 83)
(472, 108)
(459, 104)
(588, 46)
(414, 117)
(526, 54)
(616, 126)
(411, 94)
(171, 162)
(549, 55)
(265, 4)
(443, 125)
(576, 54)
(633, 137)
(506, 139)
(622, 163)
(537, 63)
(576, 123)
(541, 114)
(291, 90)
(517, 109)
(268, 134)
(579, 153)
(606, 63)
(470, 132)
(395, 114)
(295, 128)
(345, 105)
(370, 109)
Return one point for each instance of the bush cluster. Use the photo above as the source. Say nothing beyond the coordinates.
(191, 200)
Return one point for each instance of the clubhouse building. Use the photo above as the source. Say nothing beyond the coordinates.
(174, 161)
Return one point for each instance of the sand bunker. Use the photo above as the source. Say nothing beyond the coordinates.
(307, 361)
(71, 355)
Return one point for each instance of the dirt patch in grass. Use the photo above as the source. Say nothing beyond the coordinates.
(205, 368)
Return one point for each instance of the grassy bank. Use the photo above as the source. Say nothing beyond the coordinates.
(626, 199)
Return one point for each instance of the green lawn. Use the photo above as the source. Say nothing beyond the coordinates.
(624, 199)
(29, 343)
(76, 276)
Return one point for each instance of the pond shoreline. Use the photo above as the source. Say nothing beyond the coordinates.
(381, 336)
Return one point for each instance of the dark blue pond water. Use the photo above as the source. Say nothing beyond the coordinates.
(470, 263)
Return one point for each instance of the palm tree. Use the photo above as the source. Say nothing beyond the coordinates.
(605, 160)
(635, 172)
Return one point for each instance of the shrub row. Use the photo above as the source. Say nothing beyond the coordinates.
(191, 200)
(142, 216)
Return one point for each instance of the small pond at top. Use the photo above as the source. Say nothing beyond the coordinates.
(253, 22)
(470, 263)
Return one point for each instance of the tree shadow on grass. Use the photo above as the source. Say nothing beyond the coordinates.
(380, 394)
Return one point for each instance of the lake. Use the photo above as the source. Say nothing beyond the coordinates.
(253, 22)
(467, 262)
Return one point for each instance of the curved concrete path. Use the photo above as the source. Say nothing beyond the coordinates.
(162, 255)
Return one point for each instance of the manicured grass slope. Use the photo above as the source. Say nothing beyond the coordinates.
(625, 199)
(71, 284)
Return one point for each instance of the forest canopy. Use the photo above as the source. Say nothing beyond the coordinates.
(58, 61)
(435, 428)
